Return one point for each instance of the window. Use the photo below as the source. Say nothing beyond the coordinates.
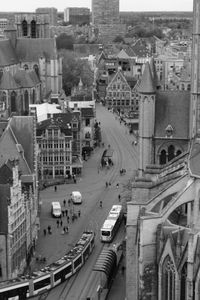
(87, 122)
(74, 125)
(13, 102)
(33, 29)
(24, 28)
(168, 280)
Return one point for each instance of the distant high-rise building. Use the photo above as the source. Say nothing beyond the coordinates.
(105, 11)
(77, 15)
(51, 11)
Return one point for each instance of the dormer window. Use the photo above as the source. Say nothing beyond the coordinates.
(169, 131)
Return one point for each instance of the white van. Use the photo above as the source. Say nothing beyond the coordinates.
(56, 209)
(76, 197)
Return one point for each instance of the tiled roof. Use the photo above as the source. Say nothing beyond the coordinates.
(172, 108)
(33, 49)
(147, 83)
(7, 54)
(7, 82)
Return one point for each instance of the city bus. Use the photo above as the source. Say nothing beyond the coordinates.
(111, 224)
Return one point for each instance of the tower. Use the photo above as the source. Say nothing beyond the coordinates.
(146, 119)
(195, 75)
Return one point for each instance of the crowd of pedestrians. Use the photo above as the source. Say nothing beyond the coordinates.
(68, 216)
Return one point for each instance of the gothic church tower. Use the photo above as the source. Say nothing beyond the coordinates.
(146, 119)
(195, 76)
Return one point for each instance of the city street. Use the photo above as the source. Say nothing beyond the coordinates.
(92, 185)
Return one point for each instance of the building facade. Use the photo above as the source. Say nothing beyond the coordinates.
(105, 12)
(59, 145)
(77, 15)
(51, 11)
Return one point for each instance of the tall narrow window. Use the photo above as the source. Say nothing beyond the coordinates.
(168, 280)
(13, 102)
(163, 157)
(26, 102)
(33, 29)
(24, 28)
(171, 153)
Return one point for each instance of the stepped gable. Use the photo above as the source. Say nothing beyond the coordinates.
(194, 159)
(34, 49)
(7, 82)
(172, 108)
(147, 83)
(7, 54)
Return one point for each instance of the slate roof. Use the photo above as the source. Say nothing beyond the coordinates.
(33, 49)
(194, 159)
(147, 83)
(23, 78)
(7, 82)
(172, 108)
(7, 54)
(22, 127)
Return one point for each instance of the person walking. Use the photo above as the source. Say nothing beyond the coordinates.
(61, 223)
(119, 197)
(79, 213)
(63, 213)
(45, 232)
(64, 202)
(55, 188)
(49, 229)
(67, 219)
(66, 229)
(100, 204)
(117, 185)
(66, 212)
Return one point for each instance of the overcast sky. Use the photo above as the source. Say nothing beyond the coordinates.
(125, 5)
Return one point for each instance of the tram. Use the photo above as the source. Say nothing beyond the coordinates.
(111, 224)
(45, 279)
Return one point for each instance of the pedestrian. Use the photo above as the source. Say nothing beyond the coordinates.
(45, 232)
(49, 229)
(106, 184)
(79, 213)
(63, 213)
(57, 222)
(68, 219)
(66, 229)
(109, 183)
(100, 204)
(69, 202)
(61, 222)
(119, 197)
(123, 269)
(64, 202)
(55, 188)
(66, 212)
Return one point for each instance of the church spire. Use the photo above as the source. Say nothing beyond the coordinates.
(147, 83)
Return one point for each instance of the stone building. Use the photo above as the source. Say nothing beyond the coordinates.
(32, 25)
(51, 11)
(163, 226)
(59, 145)
(30, 71)
(77, 15)
(19, 195)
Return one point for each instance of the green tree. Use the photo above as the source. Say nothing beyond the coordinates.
(118, 39)
(73, 69)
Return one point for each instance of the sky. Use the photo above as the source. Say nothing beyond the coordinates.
(125, 5)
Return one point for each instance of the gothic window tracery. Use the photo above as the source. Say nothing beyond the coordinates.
(33, 29)
(168, 279)
(24, 28)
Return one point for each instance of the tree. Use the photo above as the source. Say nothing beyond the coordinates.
(118, 39)
(73, 69)
(64, 41)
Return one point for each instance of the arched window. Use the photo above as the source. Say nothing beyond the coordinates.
(163, 157)
(3, 101)
(178, 152)
(188, 87)
(168, 280)
(13, 102)
(183, 282)
(33, 29)
(26, 102)
(24, 28)
(36, 68)
(171, 154)
(33, 96)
